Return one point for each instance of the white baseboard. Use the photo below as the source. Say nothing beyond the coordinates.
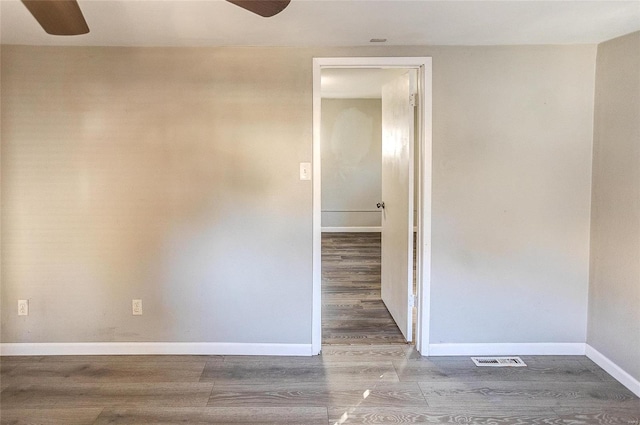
(153, 348)
(613, 369)
(498, 349)
(353, 229)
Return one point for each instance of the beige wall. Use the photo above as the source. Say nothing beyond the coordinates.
(171, 175)
(511, 194)
(614, 292)
(351, 146)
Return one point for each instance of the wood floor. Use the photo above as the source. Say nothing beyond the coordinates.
(367, 384)
(352, 310)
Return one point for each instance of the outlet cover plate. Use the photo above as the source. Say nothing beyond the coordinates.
(136, 307)
(23, 307)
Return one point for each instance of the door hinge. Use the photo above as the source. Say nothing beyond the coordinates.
(413, 99)
(412, 301)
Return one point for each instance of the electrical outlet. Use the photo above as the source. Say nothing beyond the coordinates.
(23, 307)
(136, 307)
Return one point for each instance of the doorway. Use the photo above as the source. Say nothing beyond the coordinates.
(423, 171)
(352, 126)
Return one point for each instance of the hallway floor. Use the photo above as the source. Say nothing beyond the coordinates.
(352, 310)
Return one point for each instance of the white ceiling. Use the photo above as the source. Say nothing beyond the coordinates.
(333, 23)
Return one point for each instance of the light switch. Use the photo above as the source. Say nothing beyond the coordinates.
(305, 171)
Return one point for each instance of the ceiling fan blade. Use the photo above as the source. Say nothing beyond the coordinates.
(265, 8)
(58, 17)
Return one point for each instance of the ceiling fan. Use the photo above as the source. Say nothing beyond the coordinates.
(64, 17)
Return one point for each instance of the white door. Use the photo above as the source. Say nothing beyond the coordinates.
(397, 195)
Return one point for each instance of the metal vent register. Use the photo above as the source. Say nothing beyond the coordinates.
(499, 361)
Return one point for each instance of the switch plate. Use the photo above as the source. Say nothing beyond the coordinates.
(23, 307)
(136, 307)
(305, 171)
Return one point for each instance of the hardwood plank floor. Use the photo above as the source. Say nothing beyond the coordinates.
(397, 394)
(311, 369)
(366, 384)
(69, 416)
(352, 310)
(102, 370)
(63, 394)
(215, 415)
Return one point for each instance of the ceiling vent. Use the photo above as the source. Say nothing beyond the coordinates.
(499, 361)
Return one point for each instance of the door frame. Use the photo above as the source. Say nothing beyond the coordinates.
(424, 136)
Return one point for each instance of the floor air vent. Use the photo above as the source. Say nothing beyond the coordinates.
(499, 361)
